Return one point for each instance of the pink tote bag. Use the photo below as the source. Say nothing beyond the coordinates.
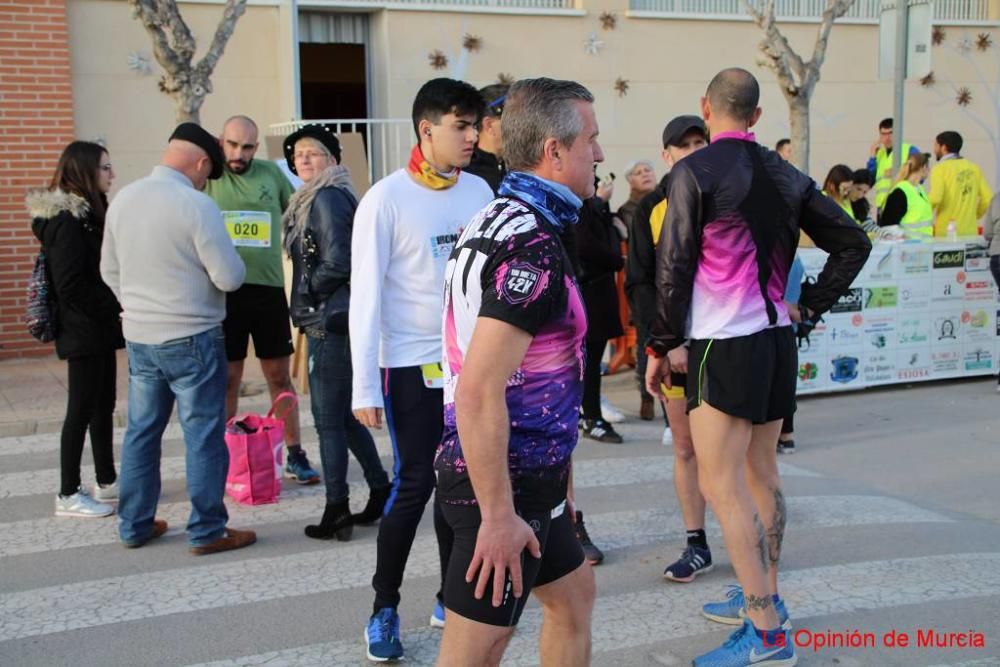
(257, 453)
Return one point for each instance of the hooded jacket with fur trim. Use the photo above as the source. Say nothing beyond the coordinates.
(88, 315)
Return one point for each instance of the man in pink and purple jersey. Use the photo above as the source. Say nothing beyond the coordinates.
(736, 209)
(514, 329)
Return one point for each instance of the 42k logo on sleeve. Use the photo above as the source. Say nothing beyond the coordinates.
(522, 283)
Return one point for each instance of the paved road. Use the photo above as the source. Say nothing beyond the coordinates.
(894, 524)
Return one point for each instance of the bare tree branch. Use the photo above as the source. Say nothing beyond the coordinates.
(796, 77)
(174, 47)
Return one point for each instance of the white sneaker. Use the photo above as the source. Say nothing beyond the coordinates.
(82, 505)
(668, 438)
(106, 492)
(611, 414)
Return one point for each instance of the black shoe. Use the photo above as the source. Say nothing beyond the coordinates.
(372, 512)
(593, 555)
(786, 446)
(601, 431)
(336, 522)
(693, 561)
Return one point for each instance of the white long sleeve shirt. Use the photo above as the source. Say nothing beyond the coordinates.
(403, 235)
(168, 258)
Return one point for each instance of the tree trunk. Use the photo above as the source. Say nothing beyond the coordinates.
(798, 117)
(187, 106)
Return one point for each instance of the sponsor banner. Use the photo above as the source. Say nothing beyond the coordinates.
(945, 259)
(978, 325)
(914, 260)
(977, 259)
(915, 295)
(844, 370)
(913, 329)
(882, 264)
(880, 332)
(948, 286)
(914, 365)
(811, 377)
(850, 301)
(879, 367)
(946, 362)
(977, 359)
(881, 297)
(979, 287)
(946, 328)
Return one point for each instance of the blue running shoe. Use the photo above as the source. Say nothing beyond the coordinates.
(731, 610)
(297, 467)
(745, 648)
(437, 616)
(382, 636)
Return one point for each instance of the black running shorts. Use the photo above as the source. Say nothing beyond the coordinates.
(260, 311)
(751, 377)
(561, 555)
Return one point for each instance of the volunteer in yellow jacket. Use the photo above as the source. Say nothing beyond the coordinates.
(907, 204)
(959, 192)
(880, 161)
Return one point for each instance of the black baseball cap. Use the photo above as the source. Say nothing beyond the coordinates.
(681, 125)
(200, 137)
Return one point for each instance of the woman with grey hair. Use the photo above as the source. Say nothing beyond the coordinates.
(317, 226)
(641, 178)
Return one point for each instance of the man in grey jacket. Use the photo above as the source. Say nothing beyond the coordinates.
(167, 257)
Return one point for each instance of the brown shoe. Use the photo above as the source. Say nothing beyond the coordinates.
(233, 539)
(159, 528)
(646, 409)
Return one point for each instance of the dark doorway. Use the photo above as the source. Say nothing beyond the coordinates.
(333, 79)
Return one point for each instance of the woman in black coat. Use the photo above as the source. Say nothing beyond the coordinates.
(68, 219)
(598, 248)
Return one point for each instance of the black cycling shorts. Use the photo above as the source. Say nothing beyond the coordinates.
(561, 555)
(752, 377)
(260, 311)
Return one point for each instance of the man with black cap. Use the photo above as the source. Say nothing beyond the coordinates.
(682, 136)
(253, 194)
(167, 257)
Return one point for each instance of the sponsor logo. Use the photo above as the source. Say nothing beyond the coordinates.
(849, 302)
(915, 261)
(808, 371)
(976, 258)
(857, 320)
(945, 328)
(881, 297)
(978, 360)
(878, 340)
(949, 259)
(845, 369)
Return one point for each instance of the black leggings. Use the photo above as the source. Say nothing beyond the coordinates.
(592, 379)
(90, 405)
(415, 417)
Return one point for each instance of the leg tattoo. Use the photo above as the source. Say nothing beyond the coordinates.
(761, 541)
(777, 533)
(757, 602)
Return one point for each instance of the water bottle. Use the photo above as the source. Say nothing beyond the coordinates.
(952, 231)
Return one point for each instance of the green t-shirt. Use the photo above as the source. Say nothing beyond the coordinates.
(252, 204)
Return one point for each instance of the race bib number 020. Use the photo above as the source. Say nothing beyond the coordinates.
(249, 229)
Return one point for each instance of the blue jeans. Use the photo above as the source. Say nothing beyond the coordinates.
(193, 371)
(330, 396)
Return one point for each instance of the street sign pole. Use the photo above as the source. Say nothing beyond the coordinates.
(899, 79)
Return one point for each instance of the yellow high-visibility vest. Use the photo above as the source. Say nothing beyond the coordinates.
(919, 218)
(883, 173)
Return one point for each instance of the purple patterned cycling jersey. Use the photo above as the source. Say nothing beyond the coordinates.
(509, 265)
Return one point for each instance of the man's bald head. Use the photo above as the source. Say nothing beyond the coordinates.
(189, 159)
(734, 93)
(239, 143)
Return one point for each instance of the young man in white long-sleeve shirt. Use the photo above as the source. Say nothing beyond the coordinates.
(404, 230)
(167, 257)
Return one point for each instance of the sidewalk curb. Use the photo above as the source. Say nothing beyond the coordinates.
(54, 425)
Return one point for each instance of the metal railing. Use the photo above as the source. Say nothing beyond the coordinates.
(387, 141)
(545, 5)
(807, 10)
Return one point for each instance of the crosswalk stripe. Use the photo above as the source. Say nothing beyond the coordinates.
(670, 612)
(306, 503)
(586, 473)
(112, 600)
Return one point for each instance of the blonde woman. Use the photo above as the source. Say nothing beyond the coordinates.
(907, 204)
